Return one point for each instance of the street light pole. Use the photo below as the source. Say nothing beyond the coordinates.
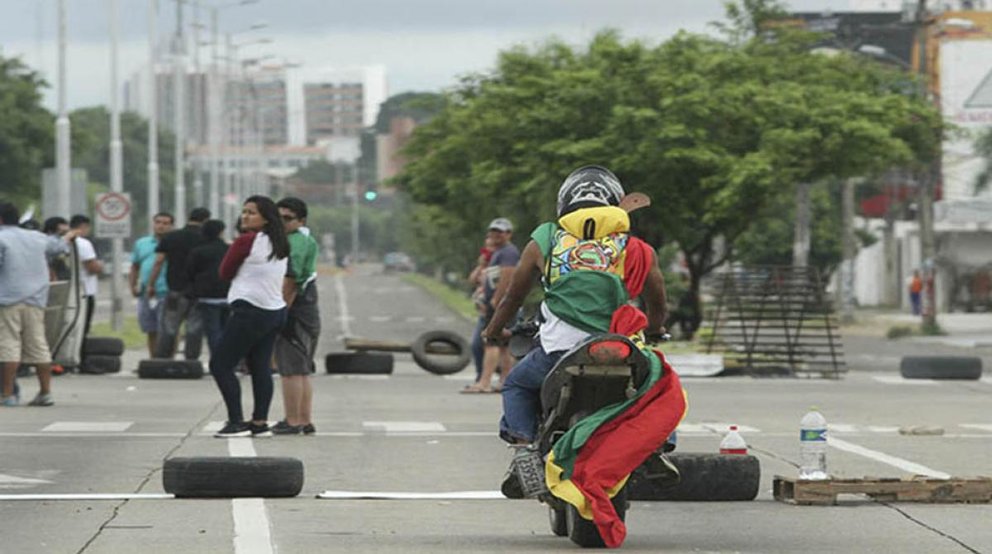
(179, 75)
(152, 95)
(198, 198)
(116, 169)
(925, 189)
(213, 95)
(63, 160)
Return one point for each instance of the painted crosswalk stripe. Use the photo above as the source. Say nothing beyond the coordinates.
(416, 319)
(213, 426)
(88, 426)
(380, 318)
(405, 426)
(359, 377)
(710, 428)
(905, 465)
(15, 482)
(86, 496)
(842, 428)
(252, 534)
(978, 426)
(899, 380)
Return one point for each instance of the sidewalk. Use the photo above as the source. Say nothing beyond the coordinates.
(963, 330)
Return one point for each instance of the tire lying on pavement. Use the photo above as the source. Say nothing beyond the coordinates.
(221, 477)
(440, 364)
(97, 364)
(704, 477)
(366, 363)
(104, 346)
(941, 367)
(158, 368)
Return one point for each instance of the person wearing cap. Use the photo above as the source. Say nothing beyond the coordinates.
(496, 280)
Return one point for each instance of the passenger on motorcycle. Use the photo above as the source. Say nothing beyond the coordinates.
(583, 261)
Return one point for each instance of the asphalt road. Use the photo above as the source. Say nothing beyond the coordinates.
(412, 432)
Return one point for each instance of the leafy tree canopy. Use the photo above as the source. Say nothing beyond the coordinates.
(26, 133)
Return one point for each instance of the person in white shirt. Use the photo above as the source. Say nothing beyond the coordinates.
(92, 267)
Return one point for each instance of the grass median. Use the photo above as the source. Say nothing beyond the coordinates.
(451, 297)
(130, 333)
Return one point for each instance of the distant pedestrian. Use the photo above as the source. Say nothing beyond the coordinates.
(497, 280)
(256, 264)
(175, 248)
(92, 266)
(915, 289)
(296, 344)
(210, 291)
(24, 286)
(59, 265)
(476, 278)
(142, 262)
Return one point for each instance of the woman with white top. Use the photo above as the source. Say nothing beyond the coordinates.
(256, 264)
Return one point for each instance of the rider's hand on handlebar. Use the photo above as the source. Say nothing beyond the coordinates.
(496, 339)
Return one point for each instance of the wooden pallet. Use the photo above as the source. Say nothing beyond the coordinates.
(915, 489)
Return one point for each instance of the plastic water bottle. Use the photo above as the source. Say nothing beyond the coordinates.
(733, 442)
(813, 446)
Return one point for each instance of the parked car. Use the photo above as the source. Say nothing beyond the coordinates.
(398, 261)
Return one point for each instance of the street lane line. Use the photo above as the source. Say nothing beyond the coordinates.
(882, 429)
(359, 377)
(86, 496)
(459, 377)
(15, 482)
(380, 318)
(905, 465)
(251, 524)
(979, 426)
(711, 428)
(456, 495)
(900, 380)
(842, 428)
(987, 380)
(416, 319)
(444, 319)
(213, 426)
(405, 426)
(344, 318)
(88, 426)
(40, 435)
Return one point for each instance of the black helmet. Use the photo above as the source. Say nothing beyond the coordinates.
(589, 186)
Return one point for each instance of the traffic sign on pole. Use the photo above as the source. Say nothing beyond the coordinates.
(113, 215)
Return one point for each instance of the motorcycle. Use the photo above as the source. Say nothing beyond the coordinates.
(599, 371)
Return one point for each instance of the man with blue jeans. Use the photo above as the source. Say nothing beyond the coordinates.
(142, 262)
(207, 287)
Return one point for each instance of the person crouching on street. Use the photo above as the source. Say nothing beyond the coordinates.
(255, 264)
(296, 344)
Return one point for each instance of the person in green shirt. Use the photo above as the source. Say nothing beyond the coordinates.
(297, 342)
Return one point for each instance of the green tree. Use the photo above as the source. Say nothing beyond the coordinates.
(26, 133)
(713, 130)
(983, 148)
(91, 151)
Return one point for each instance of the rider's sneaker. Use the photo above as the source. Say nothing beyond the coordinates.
(661, 471)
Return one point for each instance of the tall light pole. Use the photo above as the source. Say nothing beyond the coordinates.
(198, 198)
(63, 153)
(152, 95)
(116, 168)
(179, 105)
(214, 123)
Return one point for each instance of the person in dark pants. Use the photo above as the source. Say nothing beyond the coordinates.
(256, 264)
(210, 291)
(175, 248)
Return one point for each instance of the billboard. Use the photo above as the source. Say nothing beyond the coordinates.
(966, 101)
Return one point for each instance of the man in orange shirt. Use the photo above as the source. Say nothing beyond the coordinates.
(915, 288)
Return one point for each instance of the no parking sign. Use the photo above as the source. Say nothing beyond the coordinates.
(113, 215)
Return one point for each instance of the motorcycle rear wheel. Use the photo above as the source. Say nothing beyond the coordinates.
(583, 532)
(556, 516)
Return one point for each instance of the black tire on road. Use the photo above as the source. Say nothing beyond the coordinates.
(704, 477)
(104, 346)
(158, 368)
(448, 364)
(584, 532)
(96, 364)
(207, 477)
(941, 367)
(366, 363)
(556, 517)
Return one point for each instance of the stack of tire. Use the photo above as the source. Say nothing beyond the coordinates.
(166, 368)
(101, 355)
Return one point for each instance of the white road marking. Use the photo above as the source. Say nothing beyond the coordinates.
(213, 426)
(900, 380)
(406, 426)
(251, 524)
(883, 429)
(456, 495)
(905, 465)
(47, 435)
(88, 426)
(416, 319)
(86, 496)
(841, 428)
(15, 482)
(987, 380)
(380, 318)
(979, 426)
(711, 428)
(444, 319)
(344, 318)
(460, 377)
(359, 377)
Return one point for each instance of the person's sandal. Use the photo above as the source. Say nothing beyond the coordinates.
(475, 389)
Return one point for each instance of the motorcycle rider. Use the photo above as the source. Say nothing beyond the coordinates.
(583, 264)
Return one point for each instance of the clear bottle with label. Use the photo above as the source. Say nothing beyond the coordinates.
(813, 446)
(733, 442)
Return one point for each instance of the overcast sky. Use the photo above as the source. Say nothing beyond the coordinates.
(424, 44)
